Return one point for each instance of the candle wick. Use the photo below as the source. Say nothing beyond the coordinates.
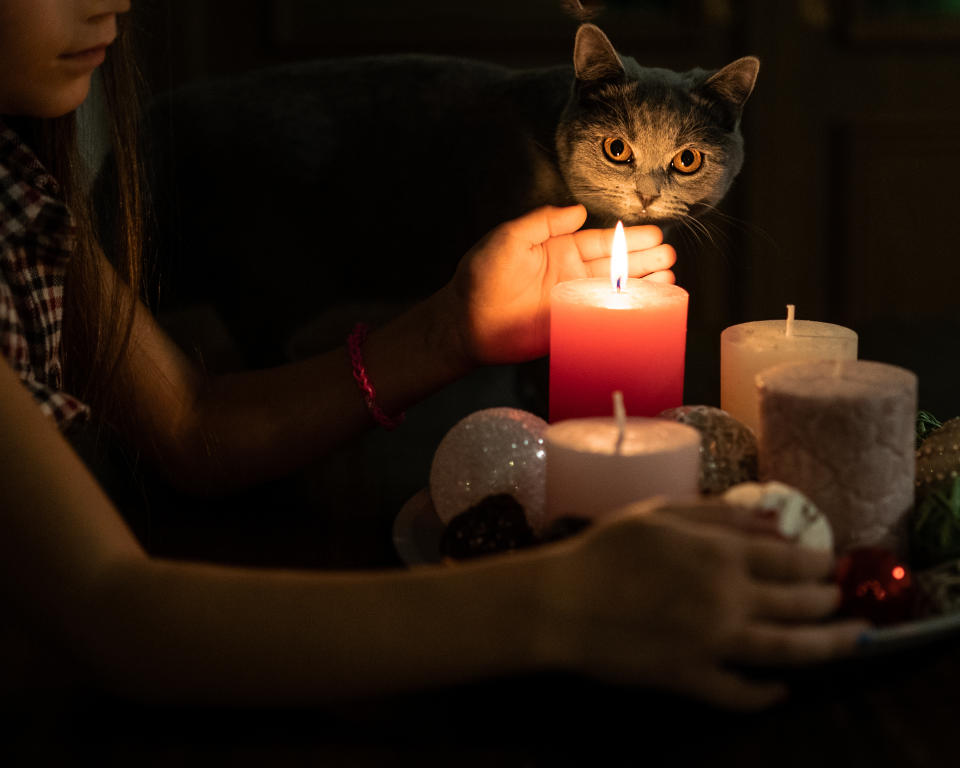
(618, 283)
(791, 308)
(620, 413)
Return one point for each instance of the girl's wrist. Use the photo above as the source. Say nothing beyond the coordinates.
(528, 620)
(451, 334)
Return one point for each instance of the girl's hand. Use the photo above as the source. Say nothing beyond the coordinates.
(671, 595)
(502, 286)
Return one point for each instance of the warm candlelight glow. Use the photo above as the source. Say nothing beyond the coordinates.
(619, 266)
(602, 341)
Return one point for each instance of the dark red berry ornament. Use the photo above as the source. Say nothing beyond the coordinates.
(876, 585)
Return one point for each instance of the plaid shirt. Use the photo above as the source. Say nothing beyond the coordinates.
(37, 238)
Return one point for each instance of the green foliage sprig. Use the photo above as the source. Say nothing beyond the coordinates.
(926, 423)
(935, 533)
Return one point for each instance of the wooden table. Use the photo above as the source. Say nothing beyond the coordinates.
(896, 711)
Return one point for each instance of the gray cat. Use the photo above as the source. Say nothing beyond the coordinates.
(344, 180)
(649, 145)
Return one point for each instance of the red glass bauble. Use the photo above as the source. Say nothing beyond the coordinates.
(876, 585)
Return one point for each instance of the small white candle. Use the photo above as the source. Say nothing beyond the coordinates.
(596, 465)
(749, 348)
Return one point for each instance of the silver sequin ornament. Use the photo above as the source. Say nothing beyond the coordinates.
(728, 447)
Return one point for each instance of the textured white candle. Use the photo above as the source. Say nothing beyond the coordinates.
(749, 348)
(588, 476)
(842, 432)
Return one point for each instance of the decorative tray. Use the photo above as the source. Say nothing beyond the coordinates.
(417, 531)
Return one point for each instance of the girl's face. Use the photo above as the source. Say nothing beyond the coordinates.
(49, 50)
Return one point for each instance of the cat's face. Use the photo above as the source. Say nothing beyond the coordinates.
(649, 145)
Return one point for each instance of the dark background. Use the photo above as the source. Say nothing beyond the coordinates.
(845, 207)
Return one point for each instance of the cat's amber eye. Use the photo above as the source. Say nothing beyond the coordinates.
(617, 149)
(687, 160)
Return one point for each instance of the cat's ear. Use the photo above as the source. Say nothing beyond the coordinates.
(594, 57)
(734, 83)
(582, 10)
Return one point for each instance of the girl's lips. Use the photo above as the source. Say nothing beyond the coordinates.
(91, 58)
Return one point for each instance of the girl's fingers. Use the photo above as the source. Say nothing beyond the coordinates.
(717, 512)
(641, 263)
(773, 645)
(596, 244)
(663, 276)
(782, 561)
(540, 224)
(802, 602)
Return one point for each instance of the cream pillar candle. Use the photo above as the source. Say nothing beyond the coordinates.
(748, 348)
(595, 465)
(842, 432)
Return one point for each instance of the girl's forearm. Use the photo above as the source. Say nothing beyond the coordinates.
(253, 426)
(190, 632)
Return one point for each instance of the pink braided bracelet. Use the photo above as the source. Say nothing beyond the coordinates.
(354, 343)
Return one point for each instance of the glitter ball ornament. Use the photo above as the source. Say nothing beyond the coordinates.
(728, 448)
(496, 450)
(938, 457)
(798, 518)
(876, 585)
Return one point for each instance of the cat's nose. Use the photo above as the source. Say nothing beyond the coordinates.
(647, 200)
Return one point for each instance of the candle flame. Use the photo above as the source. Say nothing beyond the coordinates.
(619, 264)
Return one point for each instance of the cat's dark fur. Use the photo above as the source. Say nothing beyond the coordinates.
(338, 180)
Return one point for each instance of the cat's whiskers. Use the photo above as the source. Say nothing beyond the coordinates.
(709, 234)
(695, 229)
(742, 225)
(619, 202)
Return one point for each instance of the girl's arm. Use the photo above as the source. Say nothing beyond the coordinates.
(163, 629)
(217, 433)
(220, 433)
(652, 598)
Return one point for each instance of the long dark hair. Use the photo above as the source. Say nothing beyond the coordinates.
(98, 322)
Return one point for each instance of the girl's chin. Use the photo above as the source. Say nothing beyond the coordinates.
(63, 100)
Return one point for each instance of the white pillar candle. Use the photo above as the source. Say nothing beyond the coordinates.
(842, 432)
(749, 348)
(595, 466)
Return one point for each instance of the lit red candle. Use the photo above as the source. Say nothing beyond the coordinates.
(622, 334)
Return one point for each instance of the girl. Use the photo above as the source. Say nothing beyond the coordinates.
(78, 344)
